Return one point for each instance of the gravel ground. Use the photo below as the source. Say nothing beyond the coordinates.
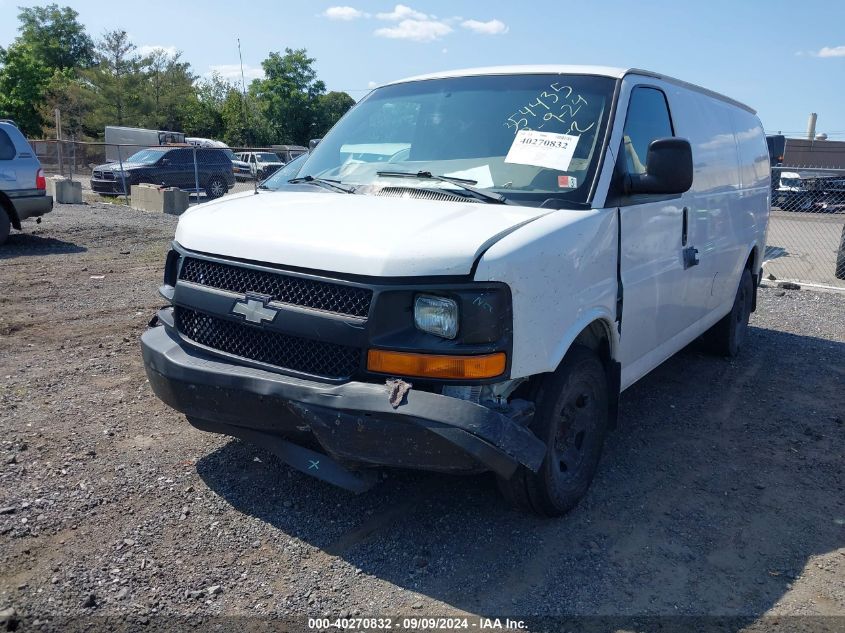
(721, 493)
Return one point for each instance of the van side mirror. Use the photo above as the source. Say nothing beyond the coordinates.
(668, 168)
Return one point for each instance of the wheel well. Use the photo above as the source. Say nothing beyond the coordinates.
(596, 336)
(756, 276)
(9, 208)
(752, 257)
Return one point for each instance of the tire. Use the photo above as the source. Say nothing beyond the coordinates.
(840, 257)
(726, 337)
(5, 225)
(805, 203)
(572, 417)
(216, 187)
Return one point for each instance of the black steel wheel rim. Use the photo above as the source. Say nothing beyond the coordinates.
(576, 428)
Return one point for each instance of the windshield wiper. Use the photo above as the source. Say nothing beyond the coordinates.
(464, 183)
(326, 183)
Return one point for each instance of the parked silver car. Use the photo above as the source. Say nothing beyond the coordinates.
(23, 188)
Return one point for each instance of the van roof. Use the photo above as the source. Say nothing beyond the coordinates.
(563, 69)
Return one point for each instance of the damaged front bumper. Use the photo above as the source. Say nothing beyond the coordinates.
(354, 423)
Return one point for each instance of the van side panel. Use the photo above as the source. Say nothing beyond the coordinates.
(561, 269)
(715, 200)
(727, 208)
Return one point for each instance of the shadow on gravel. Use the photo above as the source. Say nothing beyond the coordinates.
(27, 244)
(722, 481)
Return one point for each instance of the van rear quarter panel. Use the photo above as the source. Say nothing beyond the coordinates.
(756, 176)
(561, 269)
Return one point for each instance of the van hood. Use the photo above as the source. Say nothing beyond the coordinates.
(352, 234)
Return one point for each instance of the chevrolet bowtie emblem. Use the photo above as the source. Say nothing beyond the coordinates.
(255, 309)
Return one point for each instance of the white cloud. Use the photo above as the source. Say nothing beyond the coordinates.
(344, 13)
(371, 84)
(831, 51)
(491, 27)
(414, 25)
(444, 51)
(232, 72)
(402, 12)
(416, 30)
(149, 49)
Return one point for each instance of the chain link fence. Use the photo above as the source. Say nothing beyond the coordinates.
(205, 172)
(806, 239)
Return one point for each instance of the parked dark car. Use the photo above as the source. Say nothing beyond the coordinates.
(170, 167)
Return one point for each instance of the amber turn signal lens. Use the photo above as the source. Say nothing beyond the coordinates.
(436, 365)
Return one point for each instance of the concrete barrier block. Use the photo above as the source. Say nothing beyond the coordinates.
(168, 200)
(64, 191)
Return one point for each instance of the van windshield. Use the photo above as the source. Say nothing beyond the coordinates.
(528, 137)
(146, 156)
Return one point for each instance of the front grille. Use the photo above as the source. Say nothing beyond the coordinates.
(318, 358)
(103, 175)
(298, 291)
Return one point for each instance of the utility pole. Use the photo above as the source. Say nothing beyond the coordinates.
(243, 88)
(59, 140)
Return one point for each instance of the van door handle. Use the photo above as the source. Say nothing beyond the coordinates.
(690, 253)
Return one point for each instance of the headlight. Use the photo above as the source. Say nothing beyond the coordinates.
(436, 315)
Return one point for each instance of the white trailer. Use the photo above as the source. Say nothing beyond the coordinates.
(135, 138)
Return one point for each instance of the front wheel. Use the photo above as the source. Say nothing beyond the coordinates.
(572, 418)
(216, 187)
(726, 337)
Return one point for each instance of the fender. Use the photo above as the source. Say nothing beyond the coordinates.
(597, 313)
(561, 269)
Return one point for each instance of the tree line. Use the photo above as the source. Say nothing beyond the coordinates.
(54, 63)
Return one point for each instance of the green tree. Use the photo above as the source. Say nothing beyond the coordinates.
(243, 125)
(330, 107)
(170, 84)
(57, 38)
(204, 107)
(22, 81)
(51, 40)
(287, 96)
(117, 78)
(75, 99)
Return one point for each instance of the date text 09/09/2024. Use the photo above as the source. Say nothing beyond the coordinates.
(415, 623)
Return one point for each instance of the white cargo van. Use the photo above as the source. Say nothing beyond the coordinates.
(537, 239)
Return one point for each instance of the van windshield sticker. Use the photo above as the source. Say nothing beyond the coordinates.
(557, 103)
(542, 149)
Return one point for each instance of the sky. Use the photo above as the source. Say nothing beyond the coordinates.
(783, 58)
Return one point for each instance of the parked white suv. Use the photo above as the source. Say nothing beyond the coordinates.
(465, 274)
(22, 184)
(261, 164)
